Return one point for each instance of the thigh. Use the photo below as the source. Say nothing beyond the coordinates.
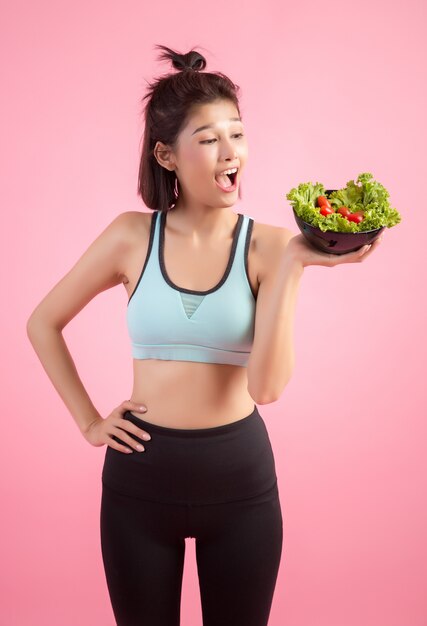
(238, 550)
(143, 554)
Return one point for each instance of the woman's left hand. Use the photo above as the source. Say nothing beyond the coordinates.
(299, 250)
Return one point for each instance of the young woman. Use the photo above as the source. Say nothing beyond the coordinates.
(210, 312)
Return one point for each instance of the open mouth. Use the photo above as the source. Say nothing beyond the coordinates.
(227, 182)
(222, 178)
(232, 177)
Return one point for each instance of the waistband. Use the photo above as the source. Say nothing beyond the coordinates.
(193, 432)
(225, 463)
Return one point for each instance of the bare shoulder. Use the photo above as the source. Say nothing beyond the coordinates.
(133, 229)
(133, 223)
(127, 231)
(101, 266)
(270, 242)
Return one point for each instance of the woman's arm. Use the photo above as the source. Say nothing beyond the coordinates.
(101, 267)
(49, 344)
(272, 358)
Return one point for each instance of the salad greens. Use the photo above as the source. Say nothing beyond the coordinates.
(366, 195)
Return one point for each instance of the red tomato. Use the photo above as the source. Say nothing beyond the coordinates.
(323, 201)
(325, 210)
(357, 217)
(344, 211)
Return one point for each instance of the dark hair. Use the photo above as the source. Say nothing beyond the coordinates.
(171, 100)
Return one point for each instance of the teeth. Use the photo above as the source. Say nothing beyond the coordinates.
(232, 171)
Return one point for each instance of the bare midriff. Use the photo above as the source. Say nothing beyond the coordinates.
(186, 394)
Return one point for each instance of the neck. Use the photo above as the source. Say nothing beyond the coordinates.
(207, 223)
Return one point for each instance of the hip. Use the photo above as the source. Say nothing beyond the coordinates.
(224, 463)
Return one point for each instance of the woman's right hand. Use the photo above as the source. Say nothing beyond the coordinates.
(101, 430)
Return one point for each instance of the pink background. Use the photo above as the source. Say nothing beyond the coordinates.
(329, 91)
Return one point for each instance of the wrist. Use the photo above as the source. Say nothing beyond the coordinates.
(291, 264)
(85, 429)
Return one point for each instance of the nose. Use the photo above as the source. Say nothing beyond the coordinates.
(230, 152)
(231, 156)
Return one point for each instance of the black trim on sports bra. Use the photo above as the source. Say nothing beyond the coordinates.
(150, 245)
(247, 244)
(227, 270)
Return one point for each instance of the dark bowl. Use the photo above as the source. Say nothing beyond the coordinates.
(336, 243)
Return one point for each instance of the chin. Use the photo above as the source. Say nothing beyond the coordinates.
(227, 205)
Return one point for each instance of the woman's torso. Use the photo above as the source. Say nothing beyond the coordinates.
(188, 394)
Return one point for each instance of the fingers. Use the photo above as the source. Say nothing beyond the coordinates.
(113, 430)
(363, 251)
(367, 250)
(119, 434)
(128, 405)
(357, 256)
(129, 443)
(118, 430)
(116, 445)
(133, 428)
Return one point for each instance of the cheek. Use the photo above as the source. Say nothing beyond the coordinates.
(194, 159)
(201, 164)
(243, 150)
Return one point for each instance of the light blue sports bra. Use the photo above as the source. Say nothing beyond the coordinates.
(177, 324)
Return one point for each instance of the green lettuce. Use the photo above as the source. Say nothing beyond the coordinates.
(366, 195)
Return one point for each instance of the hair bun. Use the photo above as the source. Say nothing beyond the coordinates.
(191, 61)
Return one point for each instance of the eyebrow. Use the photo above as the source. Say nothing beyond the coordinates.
(232, 119)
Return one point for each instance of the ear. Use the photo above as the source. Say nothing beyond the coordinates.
(164, 156)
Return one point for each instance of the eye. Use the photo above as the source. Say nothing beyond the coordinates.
(207, 141)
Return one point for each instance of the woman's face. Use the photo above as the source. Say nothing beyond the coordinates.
(201, 154)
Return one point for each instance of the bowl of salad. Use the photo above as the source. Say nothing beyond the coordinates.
(338, 221)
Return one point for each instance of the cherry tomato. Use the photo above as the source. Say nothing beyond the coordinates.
(357, 217)
(344, 211)
(325, 210)
(323, 201)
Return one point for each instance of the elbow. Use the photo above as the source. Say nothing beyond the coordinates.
(33, 318)
(268, 396)
(30, 326)
(33, 326)
(264, 398)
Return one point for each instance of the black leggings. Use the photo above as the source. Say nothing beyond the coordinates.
(217, 485)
